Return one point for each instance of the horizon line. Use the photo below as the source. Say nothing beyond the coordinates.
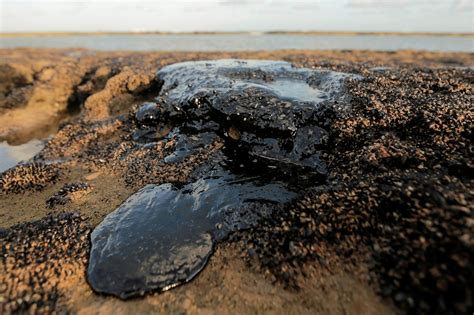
(139, 32)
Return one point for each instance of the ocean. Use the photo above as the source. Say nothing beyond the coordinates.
(245, 42)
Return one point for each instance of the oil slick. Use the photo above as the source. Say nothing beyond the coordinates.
(272, 118)
(163, 236)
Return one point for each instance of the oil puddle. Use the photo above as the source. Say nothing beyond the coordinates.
(163, 235)
(11, 155)
(272, 119)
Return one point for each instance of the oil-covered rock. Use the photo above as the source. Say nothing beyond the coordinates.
(272, 119)
(267, 110)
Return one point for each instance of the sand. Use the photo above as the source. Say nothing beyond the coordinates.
(390, 232)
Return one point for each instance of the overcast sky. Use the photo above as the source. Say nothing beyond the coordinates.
(237, 15)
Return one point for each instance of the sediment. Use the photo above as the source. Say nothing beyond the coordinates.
(393, 217)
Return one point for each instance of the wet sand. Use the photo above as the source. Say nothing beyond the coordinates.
(390, 231)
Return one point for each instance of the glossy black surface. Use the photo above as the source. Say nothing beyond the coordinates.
(163, 236)
(266, 110)
(272, 119)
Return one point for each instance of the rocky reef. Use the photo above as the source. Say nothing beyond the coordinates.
(382, 221)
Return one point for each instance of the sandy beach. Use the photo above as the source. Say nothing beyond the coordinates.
(387, 230)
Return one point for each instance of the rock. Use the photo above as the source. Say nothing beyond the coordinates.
(148, 114)
(268, 111)
(68, 193)
(29, 176)
(46, 75)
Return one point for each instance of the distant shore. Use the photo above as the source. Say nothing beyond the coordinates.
(314, 33)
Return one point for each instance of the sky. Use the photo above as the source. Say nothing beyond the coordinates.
(237, 15)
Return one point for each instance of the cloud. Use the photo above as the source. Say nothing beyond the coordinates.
(428, 4)
(261, 15)
(306, 5)
(234, 2)
(74, 8)
(303, 4)
(463, 4)
(377, 3)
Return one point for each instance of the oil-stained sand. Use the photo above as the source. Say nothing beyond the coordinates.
(392, 229)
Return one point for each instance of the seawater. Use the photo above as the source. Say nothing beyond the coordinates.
(245, 42)
(10, 155)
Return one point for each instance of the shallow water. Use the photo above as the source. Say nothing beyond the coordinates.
(10, 155)
(245, 42)
(271, 118)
